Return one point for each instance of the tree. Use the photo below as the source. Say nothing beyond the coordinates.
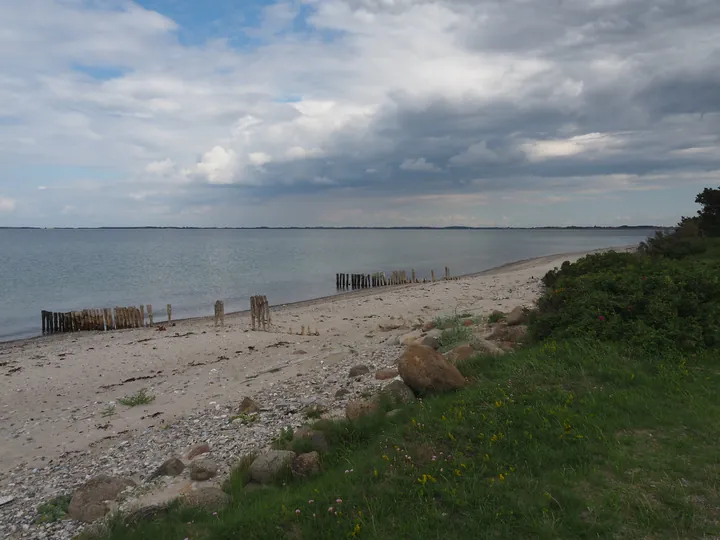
(708, 217)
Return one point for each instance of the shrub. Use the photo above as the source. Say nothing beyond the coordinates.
(638, 300)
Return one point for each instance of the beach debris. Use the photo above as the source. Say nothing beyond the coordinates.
(161, 328)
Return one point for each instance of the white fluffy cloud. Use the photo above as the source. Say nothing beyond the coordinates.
(374, 97)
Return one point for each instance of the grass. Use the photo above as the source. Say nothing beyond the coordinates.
(53, 510)
(570, 439)
(108, 411)
(141, 397)
(450, 337)
(495, 317)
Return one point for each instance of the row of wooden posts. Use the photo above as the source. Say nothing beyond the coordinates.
(99, 319)
(379, 279)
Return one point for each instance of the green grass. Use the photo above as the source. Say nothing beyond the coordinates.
(450, 337)
(141, 397)
(53, 510)
(496, 316)
(108, 411)
(573, 439)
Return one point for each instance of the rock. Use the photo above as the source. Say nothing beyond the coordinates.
(393, 341)
(516, 334)
(461, 354)
(398, 392)
(430, 325)
(467, 322)
(317, 438)
(203, 469)
(430, 341)
(90, 501)
(269, 464)
(143, 513)
(411, 338)
(342, 392)
(360, 407)
(172, 467)
(357, 371)
(391, 324)
(426, 371)
(497, 315)
(386, 374)
(248, 406)
(516, 316)
(486, 347)
(306, 465)
(207, 498)
(198, 450)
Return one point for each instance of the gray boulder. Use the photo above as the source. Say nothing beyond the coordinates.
(269, 464)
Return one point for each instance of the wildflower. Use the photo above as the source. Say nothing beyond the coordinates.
(331, 509)
(356, 530)
(601, 317)
(297, 511)
(338, 501)
(501, 477)
(434, 458)
(311, 501)
(313, 515)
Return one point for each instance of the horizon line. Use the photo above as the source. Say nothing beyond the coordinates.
(321, 227)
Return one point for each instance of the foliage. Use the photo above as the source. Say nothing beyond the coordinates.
(53, 510)
(141, 397)
(453, 336)
(708, 217)
(495, 317)
(633, 299)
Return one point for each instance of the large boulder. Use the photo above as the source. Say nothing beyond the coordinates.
(516, 316)
(398, 393)
(306, 465)
(386, 374)
(427, 371)
(269, 464)
(91, 500)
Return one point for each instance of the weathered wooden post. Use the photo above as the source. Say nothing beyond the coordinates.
(142, 316)
(43, 318)
(169, 312)
(447, 273)
(219, 313)
(150, 315)
(432, 275)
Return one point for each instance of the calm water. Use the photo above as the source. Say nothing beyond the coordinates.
(66, 270)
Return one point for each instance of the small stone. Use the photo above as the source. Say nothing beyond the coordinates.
(430, 325)
(359, 370)
(390, 325)
(198, 450)
(398, 392)
(305, 465)
(516, 316)
(430, 341)
(172, 467)
(203, 469)
(269, 464)
(208, 498)
(342, 392)
(487, 347)
(360, 407)
(248, 405)
(461, 354)
(393, 341)
(386, 374)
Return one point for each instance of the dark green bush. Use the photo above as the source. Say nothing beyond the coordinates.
(647, 302)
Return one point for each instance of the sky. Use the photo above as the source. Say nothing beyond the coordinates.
(357, 112)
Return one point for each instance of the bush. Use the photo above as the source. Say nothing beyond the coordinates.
(634, 299)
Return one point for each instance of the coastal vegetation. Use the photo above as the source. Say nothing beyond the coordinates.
(603, 425)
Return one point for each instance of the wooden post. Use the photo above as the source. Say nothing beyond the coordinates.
(43, 318)
(150, 315)
(447, 273)
(219, 313)
(169, 312)
(432, 274)
(413, 276)
(142, 316)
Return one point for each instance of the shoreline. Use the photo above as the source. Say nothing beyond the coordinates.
(507, 267)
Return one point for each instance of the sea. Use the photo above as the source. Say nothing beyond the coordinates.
(75, 269)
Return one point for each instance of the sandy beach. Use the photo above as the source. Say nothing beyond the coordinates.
(55, 391)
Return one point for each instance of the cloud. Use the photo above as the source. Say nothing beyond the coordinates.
(418, 165)
(341, 101)
(7, 205)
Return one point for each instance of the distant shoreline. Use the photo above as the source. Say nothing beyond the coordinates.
(419, 228)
